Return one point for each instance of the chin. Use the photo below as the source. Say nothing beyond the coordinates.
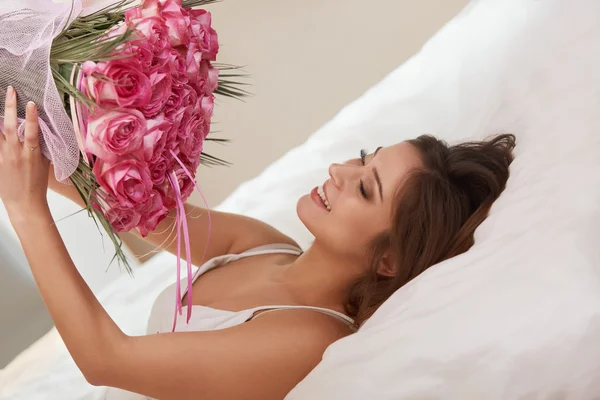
(301, 208)
(306, 213)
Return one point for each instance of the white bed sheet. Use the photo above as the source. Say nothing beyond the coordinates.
(526, 66)
(46, 371)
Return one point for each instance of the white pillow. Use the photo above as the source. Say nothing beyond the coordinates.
(518, 316)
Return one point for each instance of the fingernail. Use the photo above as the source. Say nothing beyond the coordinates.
(31, 109)
(10, 92)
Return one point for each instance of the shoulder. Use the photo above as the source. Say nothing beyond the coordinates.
(316, 330)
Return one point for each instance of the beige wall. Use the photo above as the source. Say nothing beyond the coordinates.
(307, 60)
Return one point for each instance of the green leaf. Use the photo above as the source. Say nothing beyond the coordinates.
(207, 159)
(197, 3)
(87, 187)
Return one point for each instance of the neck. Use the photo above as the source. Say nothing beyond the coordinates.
(321, 278)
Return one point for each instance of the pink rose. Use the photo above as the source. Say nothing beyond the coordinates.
(177, 21)
(178, 66)
(197, 127)
(168, 194)
(192, 137)
(203, 34)
(173, 103)
(193, 61)
(160, 61)
(154, 30)
(154, 213)
(123, 219)
(142, 51)
(160, 168)
(133, 14)
(120, 83)
(189, 97)
(155, 139)
(200, 72)
(127, 181)
(161, 90)
(207, 106)
(197, 145)
(181, 118)
(150, 8)
(171, 5)
(115, 133)
(208, 78)
(147, 9)
(172, 140)
(186, 185)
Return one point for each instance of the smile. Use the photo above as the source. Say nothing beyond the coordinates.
(321, 193)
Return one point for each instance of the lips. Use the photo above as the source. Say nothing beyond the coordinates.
(323, 196)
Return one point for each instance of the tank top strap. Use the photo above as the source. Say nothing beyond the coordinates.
(275, 248)
(332, 313)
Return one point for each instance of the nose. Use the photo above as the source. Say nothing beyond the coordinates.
(342, 173)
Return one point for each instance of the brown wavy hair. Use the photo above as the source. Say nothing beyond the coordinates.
(437, 211)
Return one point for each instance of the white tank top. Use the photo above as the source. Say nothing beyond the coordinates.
(207, 318)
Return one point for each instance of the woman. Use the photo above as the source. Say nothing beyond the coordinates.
(263, 319)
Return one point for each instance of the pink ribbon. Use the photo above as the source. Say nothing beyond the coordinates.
(182, 227)
(180, 218)
(187, 172)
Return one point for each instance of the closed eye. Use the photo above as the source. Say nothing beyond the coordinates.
(363, 161)
(363, 192)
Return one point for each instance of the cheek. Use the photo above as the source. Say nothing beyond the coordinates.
(349, 228)
(357, 223)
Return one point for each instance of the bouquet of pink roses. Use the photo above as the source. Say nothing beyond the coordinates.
(125, 98)
(154, 106)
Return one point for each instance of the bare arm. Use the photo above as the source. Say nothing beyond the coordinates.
(262, 359)
(265, 358)
(230, 233)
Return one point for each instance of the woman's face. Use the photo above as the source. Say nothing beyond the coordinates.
(355, 204)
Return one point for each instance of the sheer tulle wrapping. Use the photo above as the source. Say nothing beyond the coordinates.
(27, 29)
(27, 32)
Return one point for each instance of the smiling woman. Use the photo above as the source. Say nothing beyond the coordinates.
(436, 195)
(264, 307)
(360, 195)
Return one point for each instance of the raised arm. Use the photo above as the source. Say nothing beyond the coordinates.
(230, 233)
(261, 359)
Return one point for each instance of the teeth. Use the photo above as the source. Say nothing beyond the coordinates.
(322, 195)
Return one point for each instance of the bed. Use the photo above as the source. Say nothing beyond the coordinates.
(516, 317)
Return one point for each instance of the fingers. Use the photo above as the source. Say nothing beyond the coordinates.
(32, 137)
(10, 117)
(11, 123)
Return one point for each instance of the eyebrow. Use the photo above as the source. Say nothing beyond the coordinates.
(378, 180)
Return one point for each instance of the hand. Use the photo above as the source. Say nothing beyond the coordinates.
(23, 168)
